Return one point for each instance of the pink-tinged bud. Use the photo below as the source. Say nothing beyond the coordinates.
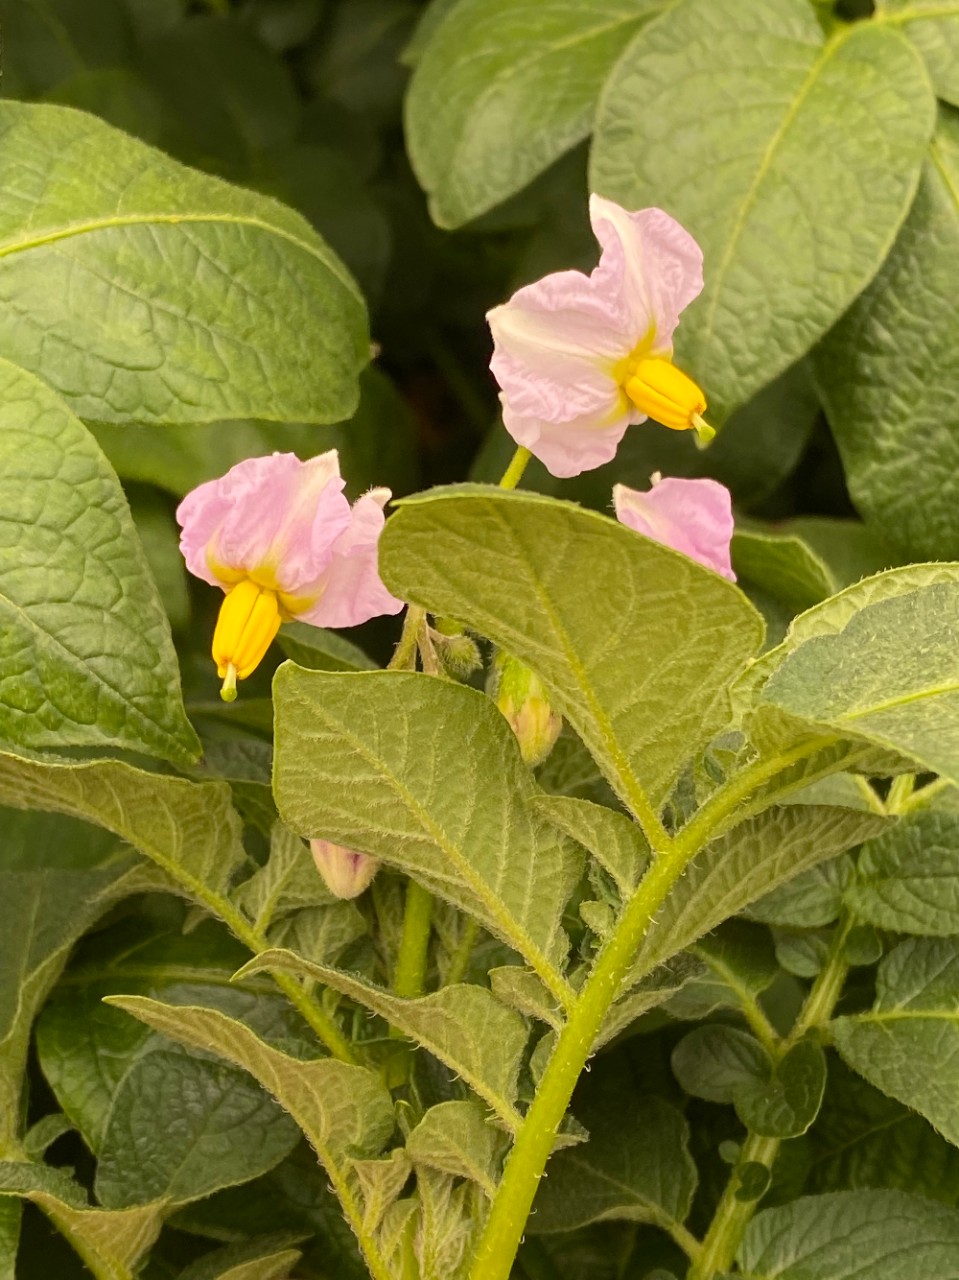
(346, 874)
(522, 699)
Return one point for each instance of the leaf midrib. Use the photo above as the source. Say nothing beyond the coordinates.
(118, 221)
(825, 53)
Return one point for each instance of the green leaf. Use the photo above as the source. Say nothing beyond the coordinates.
(457, 1138)
(382, 1181)
(892, 359)
(635, 1167)
(934, 29)
(616, 843)
(163, 1122)
(111, 1241)
(258, 1260)
(502, 88)
(904, 699)
(320, 650)
(344, 1111)
(783, 565)
(908, 879)
(56, 877)
(739, 963)
(864, 1139)
(145, 292)
(180, 1128)
(87, 658)
(739, 867)
(190, 830)
(742, 97)
(633, 679)
(812, 899)
(715, 1062)
(787, 1103)
(907, 1045)
(884, 1235)
(365, 760)
(463, 1025)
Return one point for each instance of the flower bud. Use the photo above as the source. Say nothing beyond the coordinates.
(346, 873)
(522, 699)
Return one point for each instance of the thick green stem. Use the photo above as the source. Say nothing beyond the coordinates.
(514, 472)
(409, 978)
(526, 1163)
(733, 1215)
(459, 961)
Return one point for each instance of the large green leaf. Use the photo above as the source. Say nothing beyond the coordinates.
(189, 829)
(345, 1111)
(726, 115)
(110, 1241)
(86, 653)
(933, 27)
(426, 775)
(146, 292)
(907, 1045)
(635, 643)
(504, 87)
(892, 360)
(464, 1026)
(864, 1139)
(635, 1166)
(164, 1123)
(888, 675)
(849, 1235)
(56, 877)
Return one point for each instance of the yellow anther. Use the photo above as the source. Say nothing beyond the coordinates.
(249, 619)
(657, 388)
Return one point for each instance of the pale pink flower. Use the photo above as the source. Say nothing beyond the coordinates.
(580, 358)
(345, 873)
(691, 516)
(281, 539)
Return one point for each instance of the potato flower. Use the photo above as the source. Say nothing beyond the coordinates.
(691, 516)
(279, 537)
(581, 358)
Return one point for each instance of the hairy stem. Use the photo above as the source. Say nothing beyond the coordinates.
(459, 961)
(733, 1215)
(534, 1142)
(410, 975)
(404, 655)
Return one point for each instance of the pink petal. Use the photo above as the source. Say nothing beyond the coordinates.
(275, 518)
(352, 591)
(691, 516)
(650, 268)
(561, 345)
(569, 448)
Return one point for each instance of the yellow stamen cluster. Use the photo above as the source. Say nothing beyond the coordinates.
(249, 619)
(657, 388)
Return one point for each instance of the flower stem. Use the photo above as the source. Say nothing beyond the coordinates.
(733, 1215)
(404, 655)
(409, 979)
(514, 472)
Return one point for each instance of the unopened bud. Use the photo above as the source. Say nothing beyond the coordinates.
(522, 699)
(459, 654)
(346, 873)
